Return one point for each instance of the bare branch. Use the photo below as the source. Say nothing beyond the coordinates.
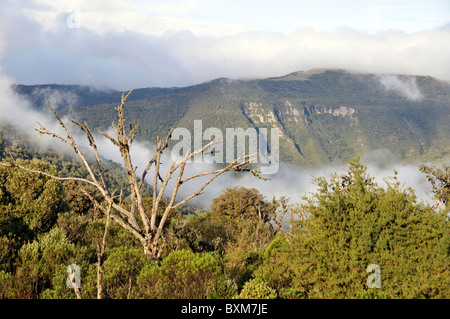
(117, 218)
(199, 192)
(100, 256)
(71, 142)
(155, 183)
(44, 131)
(159, 150)
(13, 164)
(110, 138)
(172, 199)
(133, 131)
(232, 166)
(92, 143)
(236, 168)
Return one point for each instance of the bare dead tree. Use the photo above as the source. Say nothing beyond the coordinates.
(76, 289)
(143, 225)
(283, 202)
(100, 256)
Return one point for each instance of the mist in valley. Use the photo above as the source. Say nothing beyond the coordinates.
(290, 181)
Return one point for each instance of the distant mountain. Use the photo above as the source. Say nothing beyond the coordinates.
(75, 95)
(324, 115)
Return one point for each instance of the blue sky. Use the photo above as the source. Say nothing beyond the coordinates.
(124, 44)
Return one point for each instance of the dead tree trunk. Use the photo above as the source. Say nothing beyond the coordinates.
(100, 256)
(140, 223)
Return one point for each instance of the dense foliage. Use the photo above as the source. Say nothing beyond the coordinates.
(352, 224)
(236, 249)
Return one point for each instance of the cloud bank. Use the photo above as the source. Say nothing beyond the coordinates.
(97, 44)
(406, 87)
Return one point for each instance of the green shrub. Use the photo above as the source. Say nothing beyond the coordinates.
(182, 274)
(257, 289)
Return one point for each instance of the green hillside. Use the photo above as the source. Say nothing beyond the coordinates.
(323, 115)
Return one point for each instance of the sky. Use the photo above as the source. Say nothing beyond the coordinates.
(131, 44)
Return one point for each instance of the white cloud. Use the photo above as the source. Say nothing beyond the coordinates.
(104, 16)
(125, 44)
(406, 86)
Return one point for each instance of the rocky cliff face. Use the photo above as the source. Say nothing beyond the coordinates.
(255, 112)
(298, 124)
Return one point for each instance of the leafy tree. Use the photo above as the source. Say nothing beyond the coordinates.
(32, 200)
(8, 246)
(206, 233)
(122, 266)
(245, 212)
(354, 223)
(248, 222)
(244, 204)
(58, 288)
(29, 205)
(38, 262)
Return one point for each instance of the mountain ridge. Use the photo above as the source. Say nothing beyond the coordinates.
(323, 114)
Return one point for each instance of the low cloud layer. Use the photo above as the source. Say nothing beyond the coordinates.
(297, 182)
(55, 97)
(406, 86)
(290, 181)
